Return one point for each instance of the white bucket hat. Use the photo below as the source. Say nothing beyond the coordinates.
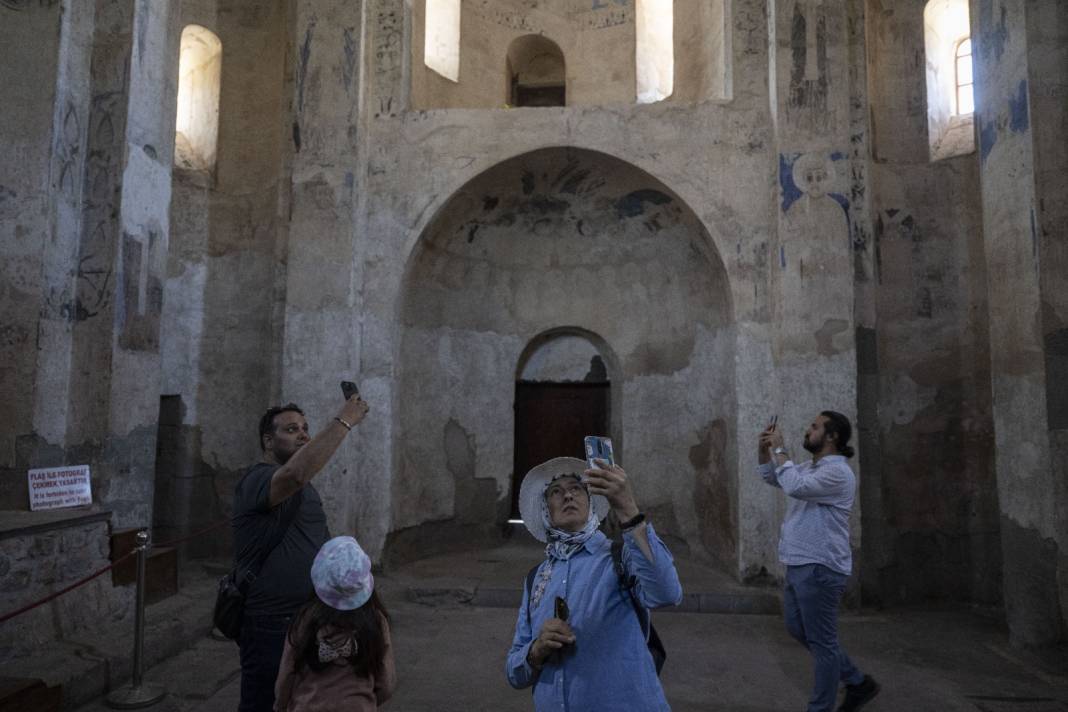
(532, 492)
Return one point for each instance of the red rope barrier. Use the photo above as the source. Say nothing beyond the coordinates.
(194, 535)
(109, 567)
(76, 584)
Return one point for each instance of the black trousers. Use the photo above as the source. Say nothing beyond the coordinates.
(261, 643)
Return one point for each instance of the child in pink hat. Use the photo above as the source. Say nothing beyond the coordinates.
(337, 654)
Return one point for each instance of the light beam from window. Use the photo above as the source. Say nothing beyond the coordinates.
(655, 50)
(441, 49)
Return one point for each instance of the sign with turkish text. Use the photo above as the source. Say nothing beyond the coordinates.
(56, 487)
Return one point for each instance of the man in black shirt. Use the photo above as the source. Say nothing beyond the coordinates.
(277, 488)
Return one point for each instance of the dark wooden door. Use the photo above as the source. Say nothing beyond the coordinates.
(551, 419)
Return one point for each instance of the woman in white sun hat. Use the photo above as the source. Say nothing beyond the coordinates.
(578, 640)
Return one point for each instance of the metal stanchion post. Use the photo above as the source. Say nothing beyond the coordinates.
(138, 693)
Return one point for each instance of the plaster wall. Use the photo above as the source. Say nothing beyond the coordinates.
(29, 44)
(562, 358)
(931, 511)
(716, 159)
(566, 238)
(598, 39)
(225, 272)
(1028, 489)
(1047, 40)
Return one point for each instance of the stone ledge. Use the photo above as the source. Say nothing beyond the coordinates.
(23, 523)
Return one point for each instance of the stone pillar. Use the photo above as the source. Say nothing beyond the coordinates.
(222, 322)
(324, 331)
(1019, 62)
(819, 89)
(1047, 52)
(114, 391)
(31, 38)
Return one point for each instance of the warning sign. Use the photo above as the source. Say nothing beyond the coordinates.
(55, 487)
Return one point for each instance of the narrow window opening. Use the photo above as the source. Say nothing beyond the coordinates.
(965, 79)
(199, 79)
(655, 50)
(536, 72)
(950, 78)
(441, 48)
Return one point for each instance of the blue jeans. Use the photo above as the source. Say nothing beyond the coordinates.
(810, 607)
(262, 640)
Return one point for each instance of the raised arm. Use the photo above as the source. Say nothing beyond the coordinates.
(311, 458)
(657, 583)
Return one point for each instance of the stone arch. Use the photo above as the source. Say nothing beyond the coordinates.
(572, 355)
(553, 241)
(537, 72)
(715, 241)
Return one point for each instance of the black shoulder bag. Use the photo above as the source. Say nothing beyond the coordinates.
(233, 587)
(652, 639)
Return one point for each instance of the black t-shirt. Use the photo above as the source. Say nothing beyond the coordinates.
(284, 582)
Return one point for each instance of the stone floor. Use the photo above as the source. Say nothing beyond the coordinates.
(453, 619)
(450, 658)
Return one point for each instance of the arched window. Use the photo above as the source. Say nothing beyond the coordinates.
(950, 100)
(536, 72)
(199, 78)
(965, 82)
(655, 50)
(441, 46)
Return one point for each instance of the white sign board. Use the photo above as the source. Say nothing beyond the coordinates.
(56, 487)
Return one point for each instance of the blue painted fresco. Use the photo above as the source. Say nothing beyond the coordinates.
(995, 36)
(1019, 116)
(988, 136)
(790, 192)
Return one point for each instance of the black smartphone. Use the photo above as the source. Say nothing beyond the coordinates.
(349, 389)
(772, 422)
(560, 609)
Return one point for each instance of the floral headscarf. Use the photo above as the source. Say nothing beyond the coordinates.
(561, 544)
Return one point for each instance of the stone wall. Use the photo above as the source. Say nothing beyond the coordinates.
(222, 333)
(36, 561)
(1018, 178)
(931, 509)
(559, 238)
(772, 239)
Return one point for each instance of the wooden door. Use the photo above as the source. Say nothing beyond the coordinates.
(551, 419)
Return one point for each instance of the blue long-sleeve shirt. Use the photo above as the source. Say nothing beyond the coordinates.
(819, 498)
(609, 668)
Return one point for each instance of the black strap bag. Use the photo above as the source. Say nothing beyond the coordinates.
(233, 587)
(652, 638)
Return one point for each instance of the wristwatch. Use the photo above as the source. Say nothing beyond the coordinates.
(781, 451)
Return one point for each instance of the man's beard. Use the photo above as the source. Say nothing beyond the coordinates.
(813, 447)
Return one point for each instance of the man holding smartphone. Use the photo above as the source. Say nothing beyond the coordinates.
(578, 640)
(277, 493)
(814, 546)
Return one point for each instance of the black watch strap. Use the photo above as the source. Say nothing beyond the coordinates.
(633, 521)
